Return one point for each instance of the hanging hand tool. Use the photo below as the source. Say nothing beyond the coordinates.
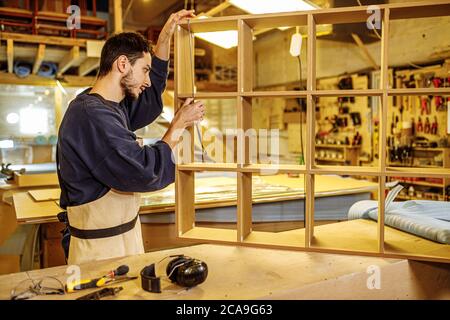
(434, 126)
(427, 125)
(424, 106)
(419, 125)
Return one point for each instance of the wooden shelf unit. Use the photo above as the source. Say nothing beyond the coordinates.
(245, 25)
(424, 194)
(350, 154)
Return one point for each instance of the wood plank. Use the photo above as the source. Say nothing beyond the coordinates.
(69, 60)
(117, 16)
(40, 55)
(35, 80)
(202, 166)
(210, 95)
(309, 209)
(274, 94)
(10, 54)
(88, 65)
(48, 40)
(418, 91)
(273, 168)
(58, 107)
(418, 172)
(35, 180)
(348, 93)
(9, 264)
(365, 51)
(25, 208)
(346, 170)
(45, 194)
(244, 123)
(94, 48)
(384, 85)
(211, 234)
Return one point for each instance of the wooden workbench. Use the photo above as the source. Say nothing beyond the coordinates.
(254, 273)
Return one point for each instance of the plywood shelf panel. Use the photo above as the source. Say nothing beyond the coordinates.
(348, 93)
(209, 95)
(279, 168)
(274, 94)
(418, 172)
(295, 238)
(212, 234)
(346, 170)
(208, 167)
(418, 91)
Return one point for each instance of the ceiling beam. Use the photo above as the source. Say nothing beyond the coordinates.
(10, 54)
(50, 40)
(39, 58)
(69, 60)
(88, 65)
(365, 52)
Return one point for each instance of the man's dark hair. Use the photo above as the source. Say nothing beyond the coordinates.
(131, 44)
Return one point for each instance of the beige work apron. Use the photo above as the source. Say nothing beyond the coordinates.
(113, 209)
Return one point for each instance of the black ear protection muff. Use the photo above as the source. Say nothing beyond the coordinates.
(184, 271)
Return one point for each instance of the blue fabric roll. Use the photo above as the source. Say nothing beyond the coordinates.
(47, 69)
(22, 69)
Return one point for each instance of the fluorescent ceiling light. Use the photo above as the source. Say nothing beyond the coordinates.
(272, 6)
(33, 121)
(12, 118)
(6, 144)
(224, 39)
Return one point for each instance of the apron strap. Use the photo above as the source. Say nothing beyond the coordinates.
(103, 233)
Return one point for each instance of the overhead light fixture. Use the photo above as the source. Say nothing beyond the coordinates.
(271, 6)
(6, 144)
(12, 118)
(225, 39)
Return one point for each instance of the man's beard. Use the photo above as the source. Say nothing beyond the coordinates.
(126, 84)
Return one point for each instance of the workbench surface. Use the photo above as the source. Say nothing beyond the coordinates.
(234, 273)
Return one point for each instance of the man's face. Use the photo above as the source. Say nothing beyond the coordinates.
(138, 78)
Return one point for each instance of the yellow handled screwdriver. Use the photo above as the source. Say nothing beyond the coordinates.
(97, 282)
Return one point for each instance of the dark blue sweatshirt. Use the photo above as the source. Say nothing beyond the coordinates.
(97, 149)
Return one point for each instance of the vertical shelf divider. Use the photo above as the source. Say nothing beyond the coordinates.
(310, 141)
(244, 122)
(184, 180)
(384, 84)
